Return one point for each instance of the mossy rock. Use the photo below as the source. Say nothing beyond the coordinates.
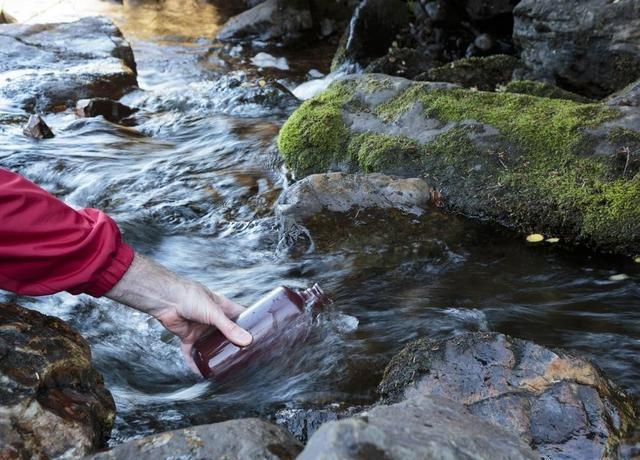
(531, 163)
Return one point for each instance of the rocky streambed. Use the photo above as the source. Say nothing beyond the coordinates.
(418, 356)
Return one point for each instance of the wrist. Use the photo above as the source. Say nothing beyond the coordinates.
(149, 287)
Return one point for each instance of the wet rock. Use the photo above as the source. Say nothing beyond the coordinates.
(242, 439)
(37, 128)
(418, 428)
(561, 404)
(270, 20)
(590, 47)
(340, 192)
(529, 163)
(628, 96)
(373, 27)
(542, 89)
(52, 402)
(303, 423)
(50, 66)
(111, 110)
(484, 73)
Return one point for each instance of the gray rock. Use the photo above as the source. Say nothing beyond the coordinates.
(340, 192)
(590, 47)
(37, 128)
(272, 19)
(52, 402)
(418, 428)
(45, 66)
(628, 96)
(560, 403)
(242, 439)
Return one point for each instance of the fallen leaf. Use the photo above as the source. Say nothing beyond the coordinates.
(619, 277)
(552, 240)
(535, 238)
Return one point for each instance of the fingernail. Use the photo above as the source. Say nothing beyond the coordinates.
(243, 337)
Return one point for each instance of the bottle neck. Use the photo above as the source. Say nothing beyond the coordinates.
(315, 297)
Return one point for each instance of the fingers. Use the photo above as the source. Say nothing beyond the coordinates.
(219, 317)
(188, 359)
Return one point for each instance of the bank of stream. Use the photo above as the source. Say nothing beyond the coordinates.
(193, 185)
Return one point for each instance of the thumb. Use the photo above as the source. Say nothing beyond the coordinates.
(231, 330)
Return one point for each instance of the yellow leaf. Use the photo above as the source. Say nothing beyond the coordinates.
(262, 83)
(535, 238)
(619, 277)
(552, 240)
(637, 260)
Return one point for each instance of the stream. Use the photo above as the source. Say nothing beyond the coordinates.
(193, 185)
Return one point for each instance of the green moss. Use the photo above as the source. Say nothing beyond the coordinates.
(379, 152)
(375, 84)
(315, 136)
(539, 89)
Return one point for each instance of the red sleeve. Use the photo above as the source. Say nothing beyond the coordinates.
(47, 246)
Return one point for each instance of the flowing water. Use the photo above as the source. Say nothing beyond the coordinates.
(193, 186)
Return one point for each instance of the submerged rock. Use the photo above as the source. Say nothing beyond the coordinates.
(484, 73)
(242, 439)
(534, 164)
(50, 66)
(53, 403)
(628, 96)
(37, 128)
(561, 404)
(590, 47)
(111, 110)
(340, 192)
(418, 428)
(272, 19)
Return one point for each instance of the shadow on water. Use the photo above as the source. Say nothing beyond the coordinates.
(193, 186)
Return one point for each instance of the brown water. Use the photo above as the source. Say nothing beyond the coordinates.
(193, 187)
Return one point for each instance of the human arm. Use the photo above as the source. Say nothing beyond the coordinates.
(48, 247)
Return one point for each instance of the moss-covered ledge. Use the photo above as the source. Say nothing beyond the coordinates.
(531, 163)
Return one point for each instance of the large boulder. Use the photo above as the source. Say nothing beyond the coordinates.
(272, 19)
(242, 439)
(47, 66)
(418, 428)
(53, 403)
(530, 163)
(560, 403)
(590, 47)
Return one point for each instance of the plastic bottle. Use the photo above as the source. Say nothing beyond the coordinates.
(276, 322)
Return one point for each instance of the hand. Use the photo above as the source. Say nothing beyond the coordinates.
(185, 308)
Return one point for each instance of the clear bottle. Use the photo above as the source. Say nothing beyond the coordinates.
(277, 321)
